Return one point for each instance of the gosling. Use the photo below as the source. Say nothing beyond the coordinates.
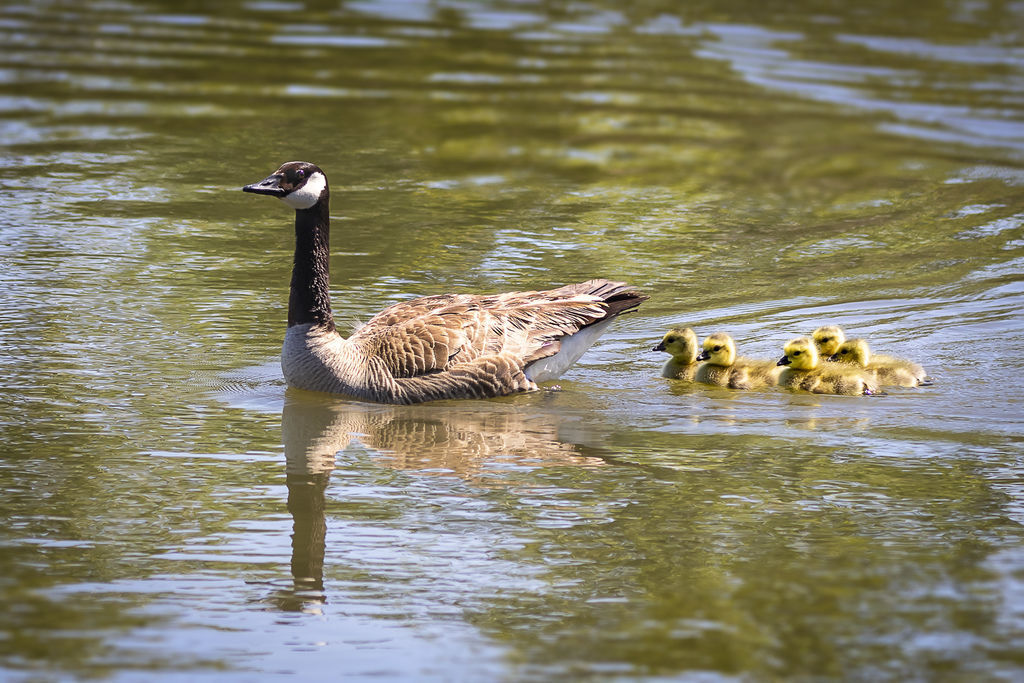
(722, 367)
(804, 370)
(681, 344)
(885, 369)
(828, 338)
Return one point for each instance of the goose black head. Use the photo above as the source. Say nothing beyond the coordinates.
(299, 184)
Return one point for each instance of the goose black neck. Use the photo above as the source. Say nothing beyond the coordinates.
(310, 298)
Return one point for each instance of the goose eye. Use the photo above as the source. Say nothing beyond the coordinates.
(717, 348)
(300, 174)
(797, 353)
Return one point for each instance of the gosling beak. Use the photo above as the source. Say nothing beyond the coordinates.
(270, 185)
(834, 358)
(783, 361)
(659, 347)
(703, 355)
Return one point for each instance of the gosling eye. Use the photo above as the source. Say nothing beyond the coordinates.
(826, 339)
(797, 353)
(717, 349)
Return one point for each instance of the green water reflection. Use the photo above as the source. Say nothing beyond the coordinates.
(169, 509)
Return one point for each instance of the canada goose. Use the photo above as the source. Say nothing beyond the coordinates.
(435, 347)
(885, 369)
(828, 338)
(681, 343)
(805, 371)
(724, 368)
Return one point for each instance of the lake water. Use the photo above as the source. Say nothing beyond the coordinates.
(171, 511)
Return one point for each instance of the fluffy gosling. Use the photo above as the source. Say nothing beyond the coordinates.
(828, 338)
(804, 370)
(885, 369)
(681, 344)
(722, 367)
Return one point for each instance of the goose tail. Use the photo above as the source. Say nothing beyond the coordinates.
(616, 298)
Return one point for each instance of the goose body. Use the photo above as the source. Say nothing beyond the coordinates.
(724, 368)
(885, 369)
(681, 344)
(435, 347)
(804, 370)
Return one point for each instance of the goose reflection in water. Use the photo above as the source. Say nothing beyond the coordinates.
(464, 439)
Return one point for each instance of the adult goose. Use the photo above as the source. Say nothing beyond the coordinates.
(435, 347)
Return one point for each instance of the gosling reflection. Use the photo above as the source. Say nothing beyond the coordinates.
(464, 439)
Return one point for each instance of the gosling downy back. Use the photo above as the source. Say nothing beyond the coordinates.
(435, 347)
(724, 368)
(804, 370)
(681, 343)
(885, 369)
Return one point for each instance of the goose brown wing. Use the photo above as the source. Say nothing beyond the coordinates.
(435, 334)
(459, 333)
(420, 336)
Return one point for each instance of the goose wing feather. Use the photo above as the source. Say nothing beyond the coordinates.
(440, 333)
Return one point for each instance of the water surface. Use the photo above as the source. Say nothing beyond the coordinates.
(172, 511)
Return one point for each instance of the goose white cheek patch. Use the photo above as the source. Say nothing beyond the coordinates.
(307, 195)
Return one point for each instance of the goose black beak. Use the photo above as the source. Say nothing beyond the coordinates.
(703, 355)
(783, 361)
(834, 358)
(659, 347)
(270, 185)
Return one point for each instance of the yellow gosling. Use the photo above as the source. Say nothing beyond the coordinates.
(886, 369)
(722, 367)
(828, 338)
(681, 344)
(804, 370)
